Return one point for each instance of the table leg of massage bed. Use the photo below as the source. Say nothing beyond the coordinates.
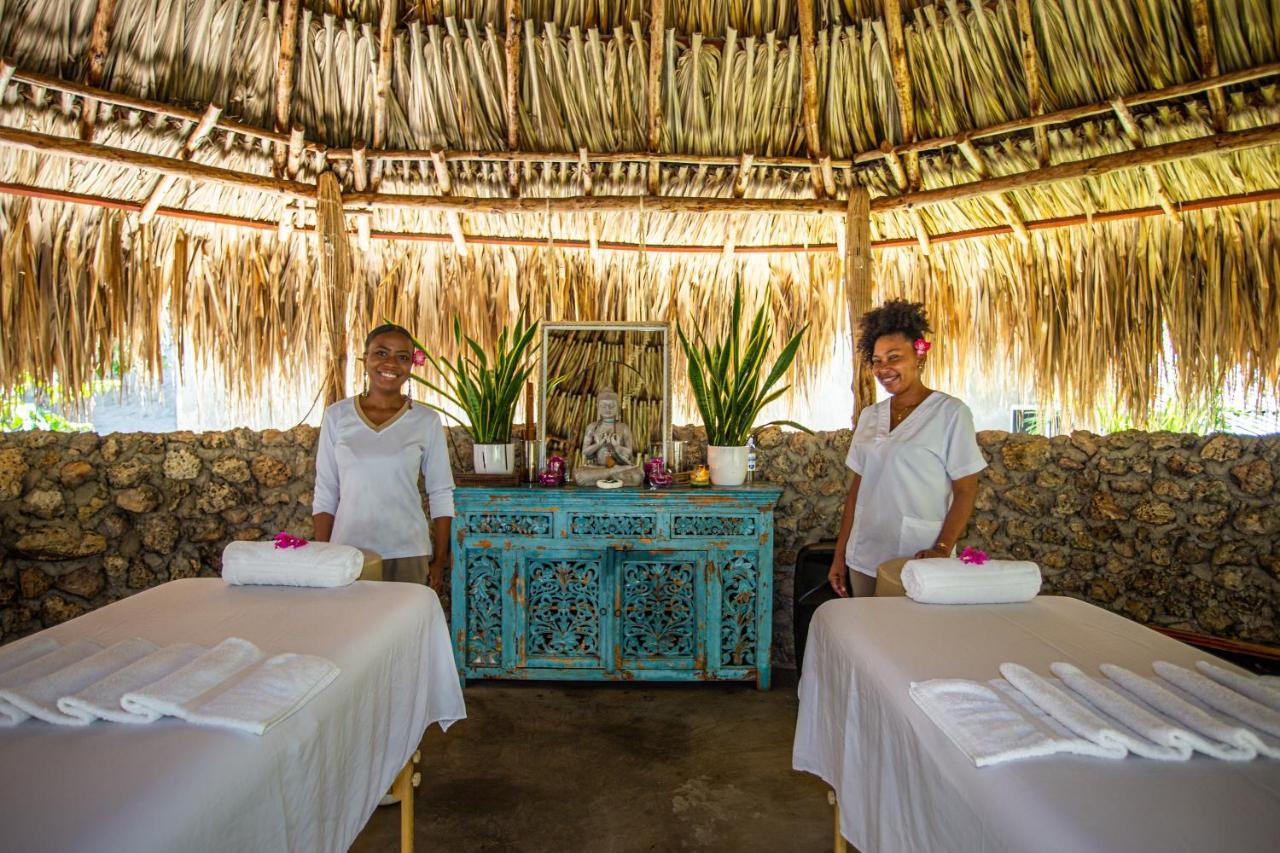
(406, 780)
(839, 845)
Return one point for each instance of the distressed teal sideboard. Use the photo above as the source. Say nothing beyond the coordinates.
(629, 584)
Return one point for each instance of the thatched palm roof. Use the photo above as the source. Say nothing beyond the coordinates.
(1072, 287)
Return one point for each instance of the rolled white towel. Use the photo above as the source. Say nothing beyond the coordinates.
(19, 652)
(209, 670)
(1140, 719)
(101, 700)
(63, 656)
(1257, 689)
(263, 695)
(1221, 698)
(946, 580)
(39, 698)
(321, 564)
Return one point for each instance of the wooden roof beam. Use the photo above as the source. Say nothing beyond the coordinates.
(588, 188)
(902, 86)
(1134, 134)
(809, 98)
(198, 135)
(657, 40)
(284, 77)
(1208, 50)
(96, 61)
(1004, 201)
(445, 183)
(515, 15)
(742, 178)
(1031, 70)
(382, 83)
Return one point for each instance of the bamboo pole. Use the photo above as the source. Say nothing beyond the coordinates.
(809, 96)
(284, 77)
(382, 83)
(1134, 134)
(743, 177)
(96, 61)
(198, 135)
(588, 188)
(335, 261)
(857, 289)
(360, 180)
(1031, 69)
(902, 86)
(94, 152)
(657, 36)
(1208, 50)
(1211, 203)
(446, 188)
(1008, 206)
(514, 17)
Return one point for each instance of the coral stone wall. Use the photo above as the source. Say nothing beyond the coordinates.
(1174, 530)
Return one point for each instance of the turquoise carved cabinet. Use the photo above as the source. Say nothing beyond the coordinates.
(632, 584)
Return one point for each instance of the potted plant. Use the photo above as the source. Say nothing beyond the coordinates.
(486, 390)
(730, 387)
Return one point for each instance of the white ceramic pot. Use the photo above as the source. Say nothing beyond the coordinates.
(494, 458)
(728, 465)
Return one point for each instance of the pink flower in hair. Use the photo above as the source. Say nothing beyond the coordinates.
(973, 556)
(922, 346)
(419, 358)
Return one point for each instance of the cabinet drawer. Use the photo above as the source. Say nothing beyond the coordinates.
(699, 525)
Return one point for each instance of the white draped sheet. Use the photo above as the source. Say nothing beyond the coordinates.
(309, 784)
(903, 786)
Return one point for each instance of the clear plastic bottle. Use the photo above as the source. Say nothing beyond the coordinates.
(751, 460)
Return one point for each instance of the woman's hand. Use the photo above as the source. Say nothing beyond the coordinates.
(929, 553)
(838, 577)
(435, 575)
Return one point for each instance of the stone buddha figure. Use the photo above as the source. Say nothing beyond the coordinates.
(608, 447)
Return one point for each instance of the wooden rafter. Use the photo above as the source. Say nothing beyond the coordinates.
(360, 180)
(899, 172)
(902, 86)
(382, 83)
(1134, 134)
(445, 183)
(1031, 69)
(197, 136)
(588, 188)
(1004, 201)
(515, 18)
(96, 61)
(284, 77)
(1207, 47)
(742, 179)
(657, 38)
(809, 97)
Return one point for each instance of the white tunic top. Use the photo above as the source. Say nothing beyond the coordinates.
(906, 477)
(367, 477)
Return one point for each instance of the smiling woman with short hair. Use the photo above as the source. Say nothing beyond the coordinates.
(371, 451)
(914, 457)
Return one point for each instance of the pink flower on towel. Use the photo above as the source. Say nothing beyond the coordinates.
(973, 556)
(922, 346)
(419, 358)
(286, 540)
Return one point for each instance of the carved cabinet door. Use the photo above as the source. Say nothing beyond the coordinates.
(563, 609)
(660, 609)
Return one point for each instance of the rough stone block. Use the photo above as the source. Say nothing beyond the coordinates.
(74, 473)
(269, 471)
(159, 533)
(1155, 512)
(54, 610)
(138, 500)
(231, 469)
(181, 464)
(59, 542)
(1221, 448)
(1103, 507)
(44, 503)
(86, 582)
(1255, 477)
(1025, 453)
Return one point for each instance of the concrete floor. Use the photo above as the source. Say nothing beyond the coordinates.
(613, 769)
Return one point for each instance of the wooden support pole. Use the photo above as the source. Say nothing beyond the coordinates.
(7, 70)
(382, 83)
(1031, 69)
(657, 39)
(334, 248)
(809, 95)
(902, 85)
(857, 289)
(1207, 47)
(445, 183)
(515, 17)
(293, 163)
(96, 62)
(198, 135)
(1008, 206)
(1134, 134)
(284, 77)
(743, 177)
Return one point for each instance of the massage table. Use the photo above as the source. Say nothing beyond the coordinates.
(309, 784)
(901, 785)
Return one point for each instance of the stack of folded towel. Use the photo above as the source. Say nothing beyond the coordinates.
(948, 580)
(1168, 717)
(321, 564)
(232, 685)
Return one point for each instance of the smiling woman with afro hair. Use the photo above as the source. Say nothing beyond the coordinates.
(914, 457)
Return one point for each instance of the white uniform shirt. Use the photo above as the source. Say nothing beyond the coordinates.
(367, 477)
(906, 477)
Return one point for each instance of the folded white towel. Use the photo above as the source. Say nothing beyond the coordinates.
(947, 580)
(263, 695)
(322, 564)
(1178, 741)
(1217, 737)
(1253, 714)
(39, 697)
(1257, 689)
(169, 695)
(1084, 720)
(23, 651)
(990, 725)
(63, 656)
(101, 700)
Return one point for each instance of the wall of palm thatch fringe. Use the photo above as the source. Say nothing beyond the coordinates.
(1078, 315)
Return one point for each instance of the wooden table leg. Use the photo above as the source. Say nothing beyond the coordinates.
(406, 780)
(839, 845)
